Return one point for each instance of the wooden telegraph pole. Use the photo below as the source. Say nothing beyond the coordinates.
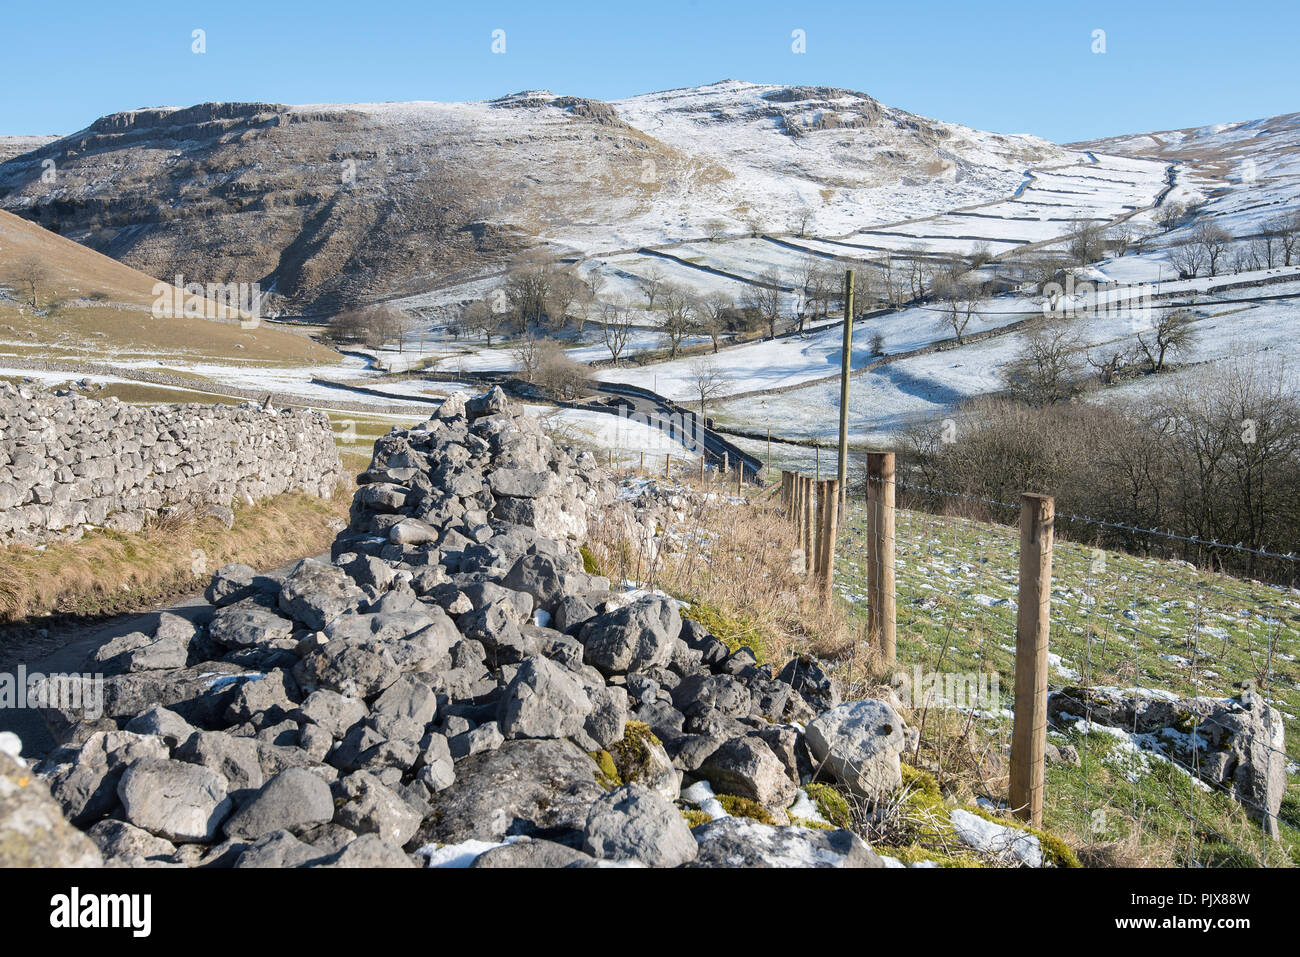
(846, 353)
(1029, 725)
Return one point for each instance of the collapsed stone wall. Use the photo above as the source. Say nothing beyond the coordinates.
(68, 463)
(455, 675)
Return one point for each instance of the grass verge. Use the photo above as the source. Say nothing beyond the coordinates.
(108, 572)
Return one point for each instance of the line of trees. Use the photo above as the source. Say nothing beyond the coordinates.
(543, 297)
(1215, 456)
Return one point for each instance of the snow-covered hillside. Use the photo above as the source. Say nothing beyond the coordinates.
(330, 203)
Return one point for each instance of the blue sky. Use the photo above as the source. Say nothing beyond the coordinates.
(1006, 66)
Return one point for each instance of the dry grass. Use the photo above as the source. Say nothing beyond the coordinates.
(77, 272)
(736, 565)
(108, 573)
(96, 332)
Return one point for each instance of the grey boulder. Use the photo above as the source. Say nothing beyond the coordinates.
(543, 701)
(634, 823)
(184, 803)
(859, 743)
(293, 800)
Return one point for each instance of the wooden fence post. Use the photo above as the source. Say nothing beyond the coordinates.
(785, 491)
(641, 471)
(818, 526)
(1033, 616)
(830, 527)
(881, 605)
(740, 477)
(809, 557)
(668, 465)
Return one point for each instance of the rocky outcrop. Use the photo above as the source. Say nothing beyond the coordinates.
(410, 701)
(68, 463)
(1236, 744)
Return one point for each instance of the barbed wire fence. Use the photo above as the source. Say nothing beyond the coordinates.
(1167, 688)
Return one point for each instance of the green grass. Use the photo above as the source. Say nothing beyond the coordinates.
(1117, 620)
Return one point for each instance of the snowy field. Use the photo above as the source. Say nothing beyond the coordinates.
(626, 438)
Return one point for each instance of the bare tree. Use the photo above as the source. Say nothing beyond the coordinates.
(528, 353)
(950, 276)
(1188, 257)
(804, 219)
(805, 281)
(31, 271)
(558, 373)
(1086, 243)
(564, 291)
(616, 322)
(961, 305)
(1213, 242)
(917, 270)
(715, 229)
(528, 288)
(1170, 334)
(1110, 361)
(1120, 238)
(1047, 368)
(1043, 270)
(370, 326)
(479, 317)
(652, 282)
(409, 324)
(893, 292)
(679, 316)
(588, 296)
(866, 291)
(1167, 215)
(711, 315)
(1288, 230)
(708, 381)
(764, 298)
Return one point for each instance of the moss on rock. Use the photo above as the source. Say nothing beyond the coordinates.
(695, 817)
(813, 825)
(607, 775)
(631, 756)
(832, 805)
(744, 807)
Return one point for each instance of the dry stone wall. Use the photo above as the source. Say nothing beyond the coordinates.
(68, 463)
